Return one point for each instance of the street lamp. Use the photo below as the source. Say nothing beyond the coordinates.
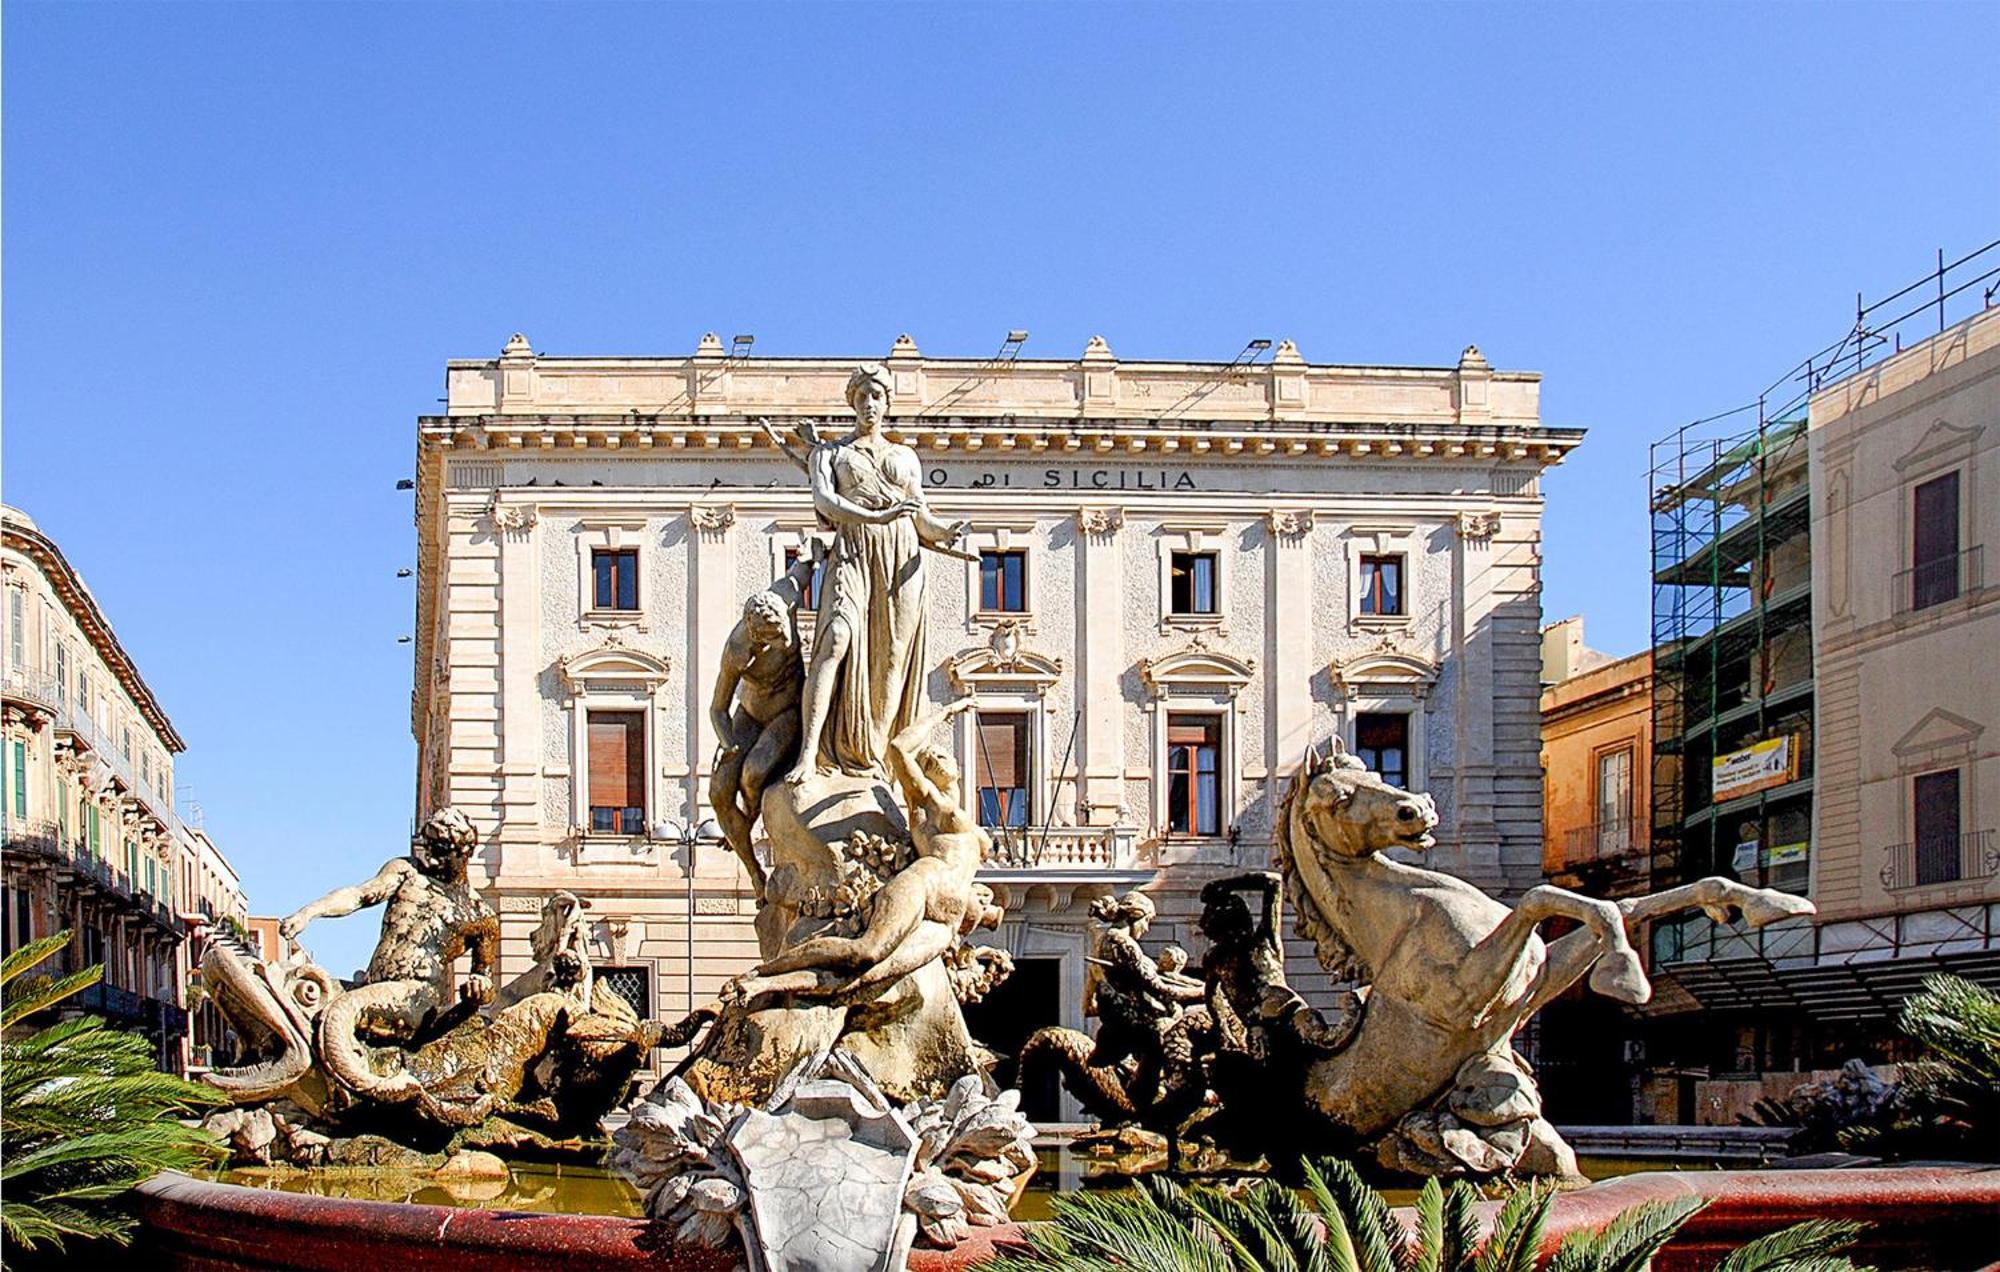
(688, 834)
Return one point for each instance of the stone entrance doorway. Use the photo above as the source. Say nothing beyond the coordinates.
(1024, 1002)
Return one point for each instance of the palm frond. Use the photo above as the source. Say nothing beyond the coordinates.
(1426, 1252)
(1516, 1242)
(1813, 1246)
(1337, 1188)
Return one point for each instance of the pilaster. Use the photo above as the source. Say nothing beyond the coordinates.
(1101, 662)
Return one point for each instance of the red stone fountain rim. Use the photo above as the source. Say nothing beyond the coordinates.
(1945, 1216)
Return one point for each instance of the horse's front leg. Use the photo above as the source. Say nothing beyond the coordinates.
(1716, 896)
(1602, 947)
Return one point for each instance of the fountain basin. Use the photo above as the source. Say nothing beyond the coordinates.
(1933, 1216)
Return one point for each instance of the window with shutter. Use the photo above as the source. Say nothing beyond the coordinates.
(1194, 775)
(1382, 585)
(1003, 581)
(1934, 546)
(617, 774)
(1936, 798)
(1003, 769)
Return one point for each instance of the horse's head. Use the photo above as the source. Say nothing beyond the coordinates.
(1352, 812)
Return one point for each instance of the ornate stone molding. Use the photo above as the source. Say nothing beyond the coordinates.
(514, 518)
(1478, 527)
(1289, 523)
(1003, 664)
(1387, 669)
(617, 931)
(613, 661)
(1103, 523)
(712, 521)
(1198, 665)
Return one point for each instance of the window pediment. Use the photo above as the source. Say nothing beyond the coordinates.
(1196, 667)
(1003, 664)
(1940, 439)
(613, 664)
(1385, 670)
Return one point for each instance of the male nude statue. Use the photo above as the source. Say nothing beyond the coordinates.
(755, 707)
(917, 915)
(433, 916)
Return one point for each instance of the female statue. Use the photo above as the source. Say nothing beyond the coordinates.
(865, 683)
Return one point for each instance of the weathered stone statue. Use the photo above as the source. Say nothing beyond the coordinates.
(755, 708)
(1145, 1066)
(1430, 1079)
(862, 912)
(404, 1056)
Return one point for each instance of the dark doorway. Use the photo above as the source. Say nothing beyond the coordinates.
(1023, 1003)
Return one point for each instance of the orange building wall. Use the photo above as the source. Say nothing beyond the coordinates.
(1583, 717)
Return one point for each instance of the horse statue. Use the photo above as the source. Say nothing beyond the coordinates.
(1430, 1078)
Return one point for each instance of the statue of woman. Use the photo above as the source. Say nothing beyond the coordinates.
(865, 684)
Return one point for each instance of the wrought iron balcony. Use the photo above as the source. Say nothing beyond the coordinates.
(1941, 859)
(1601, 841)
(33, 837)
(1945, 579)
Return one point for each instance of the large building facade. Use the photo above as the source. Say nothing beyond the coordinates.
(94, 845)
(1185, 574)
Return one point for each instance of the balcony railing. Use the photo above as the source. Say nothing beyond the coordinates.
(1067, 848)
(1941, 859)
(1945, 579)
(25, 684)
(1604, 840)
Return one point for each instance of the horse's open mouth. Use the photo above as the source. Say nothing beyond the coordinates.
(1421, 841)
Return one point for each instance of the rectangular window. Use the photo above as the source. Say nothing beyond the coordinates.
(1936, 798)
(1382, 741)
(146, 771)
(83, 693)
(24, 916)
(1003, 768)
(1934, 546)
(616, 571)
(1614, 802)
(1193, 583)
(1003, 581)
(128, 744)
(17, 622)
(91, 808)
(1382, 585)
(617, 776)
(20, 779)
(62, 675)
(62, 816)
(152, 877)
(1194, 775)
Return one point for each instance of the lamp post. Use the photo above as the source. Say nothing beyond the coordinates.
(688, 834)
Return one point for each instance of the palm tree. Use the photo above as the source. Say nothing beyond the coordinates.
(1163, 1227)
(83, 1114)
(1949, 1100)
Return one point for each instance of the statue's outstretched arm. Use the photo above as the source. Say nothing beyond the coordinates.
(345, 901)
(902, 758)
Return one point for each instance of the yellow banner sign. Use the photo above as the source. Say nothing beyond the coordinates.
(1756, 768)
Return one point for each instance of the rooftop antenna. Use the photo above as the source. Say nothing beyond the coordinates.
(739, 346)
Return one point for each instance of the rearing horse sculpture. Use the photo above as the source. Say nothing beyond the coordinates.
(1431, 1078)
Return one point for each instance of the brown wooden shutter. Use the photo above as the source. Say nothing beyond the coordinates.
(1003, 745)
(617, 759)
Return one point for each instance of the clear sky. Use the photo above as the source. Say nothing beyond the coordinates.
(241, 240)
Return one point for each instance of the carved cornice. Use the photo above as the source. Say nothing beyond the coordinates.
(614, 660)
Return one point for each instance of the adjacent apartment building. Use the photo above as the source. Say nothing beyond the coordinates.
(93, 844)
(1184, 574)
(1823, 721)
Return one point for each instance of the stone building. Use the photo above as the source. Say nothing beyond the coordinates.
(93, 842)
(1862, 771)
(1185, 574)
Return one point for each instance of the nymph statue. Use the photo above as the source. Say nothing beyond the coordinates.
(866, 678)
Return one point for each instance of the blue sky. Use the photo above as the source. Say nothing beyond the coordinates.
(241, 240)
